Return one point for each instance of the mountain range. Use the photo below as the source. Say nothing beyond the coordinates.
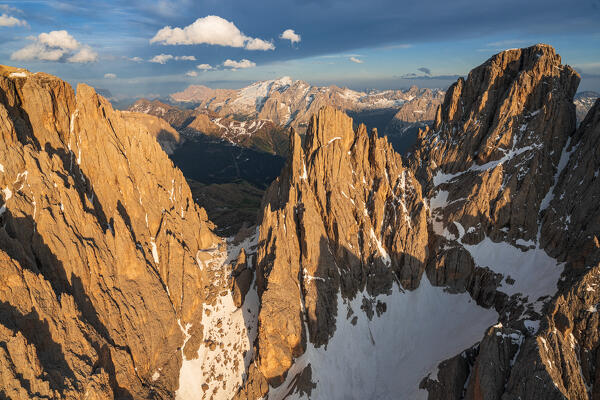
(465, 268)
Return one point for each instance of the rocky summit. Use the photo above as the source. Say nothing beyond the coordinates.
(466, 269)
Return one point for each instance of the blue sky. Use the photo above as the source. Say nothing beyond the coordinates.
(355, 43)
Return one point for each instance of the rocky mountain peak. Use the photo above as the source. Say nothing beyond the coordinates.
(486, 108)
(327, 126)
(503, 127)
(344, 217)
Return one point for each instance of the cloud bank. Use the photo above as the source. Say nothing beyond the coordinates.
(212, 30)
(55, 46)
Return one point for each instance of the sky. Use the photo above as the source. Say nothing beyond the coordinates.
(137, 48)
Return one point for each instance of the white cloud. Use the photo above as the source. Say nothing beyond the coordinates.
(8, 20)
(204, 67)
(259, 44)
(110, 76)
(135, 59)
(60, 39)
(290, 35)
(212, 30)
(191, 73)
(161, 58)
(239, 64)
(356, 60)
(85, 55)
(55, 46)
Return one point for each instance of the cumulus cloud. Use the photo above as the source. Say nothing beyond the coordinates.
(9, 21)
(110, 75)
(135, 59)
(239, 64)
(55, 46)
(204, 67)
(425, 70)
(161, 58)
(191, 73)
(186, 58)
(290, 35)
(356, 60)
(85, 55)
(212, 30)
(259, 44)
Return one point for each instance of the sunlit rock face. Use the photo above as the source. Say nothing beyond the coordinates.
(100, 241)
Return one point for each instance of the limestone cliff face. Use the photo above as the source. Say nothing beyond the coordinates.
(497, 141)
(344, 217)
(100, 245)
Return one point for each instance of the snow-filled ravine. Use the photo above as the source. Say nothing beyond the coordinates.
(226, 350)
(387, 357)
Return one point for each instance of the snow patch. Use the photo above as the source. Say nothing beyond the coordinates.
(7, 193)
(535, 273)
(532, 326)
(386, 258)
(562, 163)
(154, 251)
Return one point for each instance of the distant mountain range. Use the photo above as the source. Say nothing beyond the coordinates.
(291, 103)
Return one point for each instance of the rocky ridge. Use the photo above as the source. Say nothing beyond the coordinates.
(100, 243)
(257, 134)
(345, 215)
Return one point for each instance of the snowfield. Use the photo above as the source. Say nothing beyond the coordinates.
(391, 354)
